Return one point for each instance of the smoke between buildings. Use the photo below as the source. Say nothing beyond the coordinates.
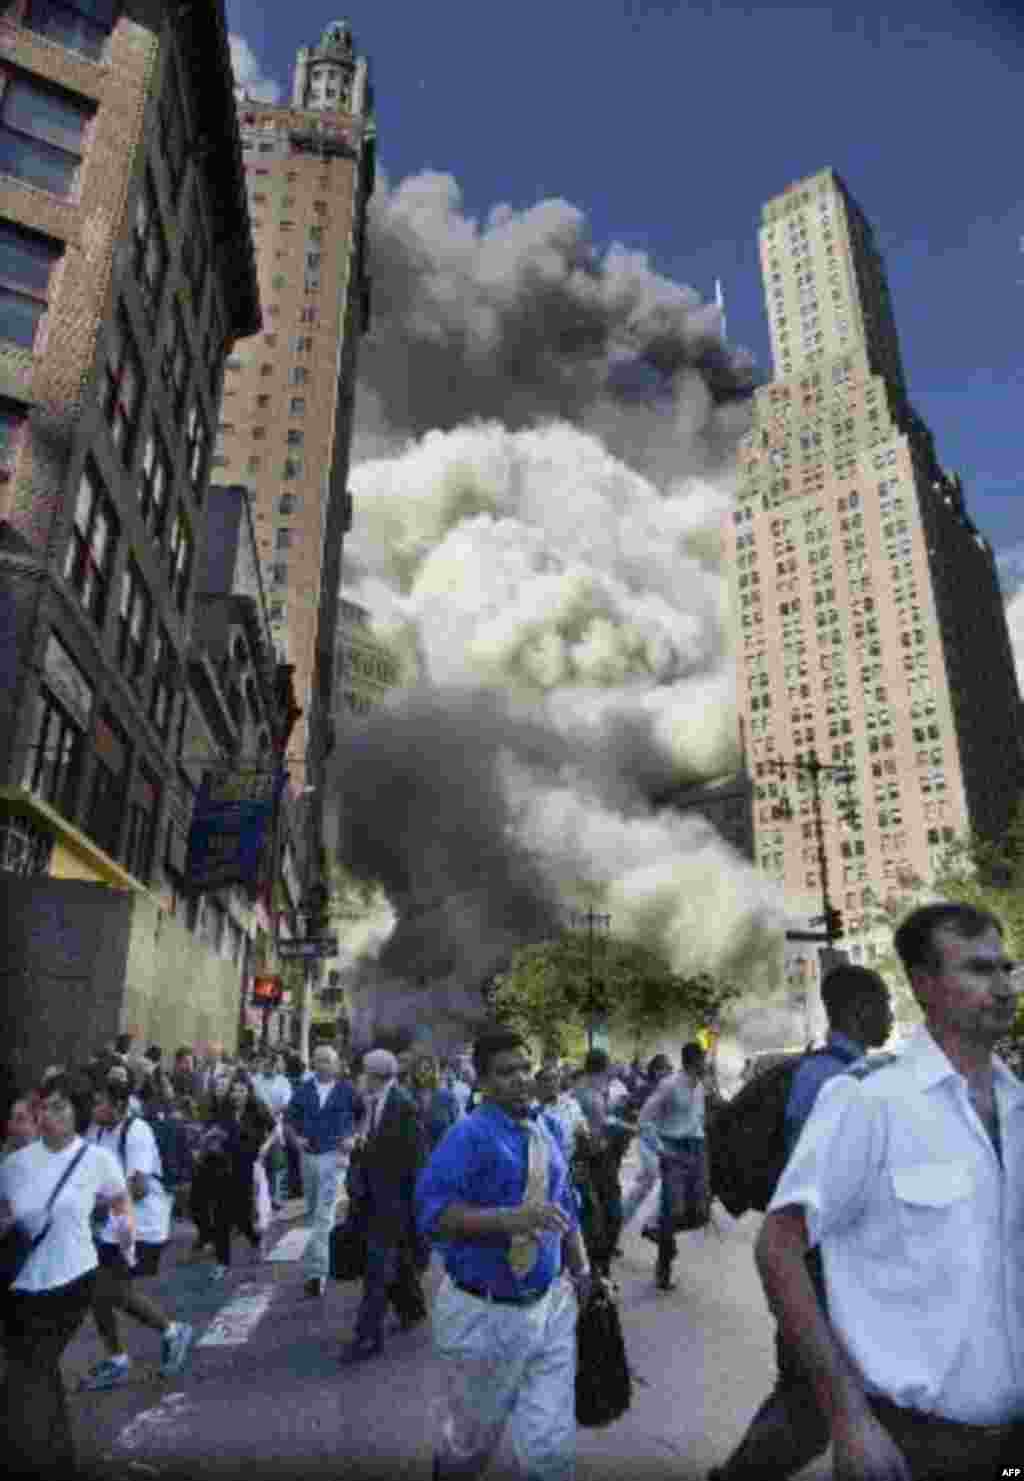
(540, 473)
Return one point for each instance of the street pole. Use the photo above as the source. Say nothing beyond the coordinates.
(590, 919)
(815, 769)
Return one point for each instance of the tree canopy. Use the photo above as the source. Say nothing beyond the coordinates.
(548, 992)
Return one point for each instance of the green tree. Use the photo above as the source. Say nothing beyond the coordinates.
(547, 991)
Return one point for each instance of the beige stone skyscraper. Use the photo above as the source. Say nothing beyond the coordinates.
(286, 416)
(870, 622)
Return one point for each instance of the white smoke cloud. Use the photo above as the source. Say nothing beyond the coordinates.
(249, 74)
(542, 461)
(1015, 622)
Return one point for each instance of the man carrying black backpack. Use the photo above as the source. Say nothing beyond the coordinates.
(789, 1430)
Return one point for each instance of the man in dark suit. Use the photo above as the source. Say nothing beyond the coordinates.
(383, 1184)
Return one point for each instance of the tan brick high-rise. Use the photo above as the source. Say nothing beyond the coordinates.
(870, 624)
(286, 417)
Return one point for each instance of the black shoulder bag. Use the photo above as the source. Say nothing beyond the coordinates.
(17, 1244)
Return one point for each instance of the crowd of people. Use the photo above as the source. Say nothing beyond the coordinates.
(888, 1252)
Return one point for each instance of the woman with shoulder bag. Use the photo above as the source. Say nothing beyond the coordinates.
(49, 1190)
(245, 1126)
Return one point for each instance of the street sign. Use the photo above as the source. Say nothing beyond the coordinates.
(807, 936)
(317, 946)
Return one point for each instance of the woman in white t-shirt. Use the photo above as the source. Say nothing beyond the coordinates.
(52, 1293)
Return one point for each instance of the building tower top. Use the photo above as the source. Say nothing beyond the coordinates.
(330, 76)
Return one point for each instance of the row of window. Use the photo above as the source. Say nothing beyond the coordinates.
(119, 817)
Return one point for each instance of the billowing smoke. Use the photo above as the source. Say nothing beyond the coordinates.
(543, 457)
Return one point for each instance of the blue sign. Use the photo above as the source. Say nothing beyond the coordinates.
(231, 823)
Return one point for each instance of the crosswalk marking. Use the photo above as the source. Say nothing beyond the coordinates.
(171, 1415)
(235, 1321)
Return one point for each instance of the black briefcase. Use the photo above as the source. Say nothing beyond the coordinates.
(348, 1248)
(604, 1388)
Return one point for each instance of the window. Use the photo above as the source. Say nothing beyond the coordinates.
(106, 798)
(150, 249)
(143, 805)
(43, 135)
(196, 440)
(279, 574)
(161, 702)
(298, 376)
(287, 503)
(284, 538)
(301, 344)
(320, 207)
(80, 25)
(297, 406)
(176, 364)
(12, 430)
(90, 551)
(26, 261)
(180, 553)
(122, 387)
(293, 468)
(136, 617)
(294, 438)
(213, 348)
(54, 765)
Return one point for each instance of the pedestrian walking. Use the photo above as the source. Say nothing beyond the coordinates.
(649, 1175)
(673, 1119)
(21, 1126)
(496, 1191)
(392, 1150)
(602, 1209)
(51, 1187)
(907, 1177)
(232, 1145)
(437, 1106)
(131, 1142)
(274, 1089)
(322, 1113)
(789, 1429)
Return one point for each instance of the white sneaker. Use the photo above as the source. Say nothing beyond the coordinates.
(218, 1272)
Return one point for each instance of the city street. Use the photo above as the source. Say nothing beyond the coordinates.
(264, 1395)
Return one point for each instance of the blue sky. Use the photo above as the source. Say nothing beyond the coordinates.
(668, 125)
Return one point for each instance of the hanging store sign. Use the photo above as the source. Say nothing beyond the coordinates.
(231, 823)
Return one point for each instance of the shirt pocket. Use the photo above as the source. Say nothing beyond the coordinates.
(932, 1203)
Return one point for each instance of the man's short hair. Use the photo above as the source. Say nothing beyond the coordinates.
(846, 985)
(495, 1041)
(596, 1062)
(123, 1043)
(154, 1054)
(117, 1092)
(659, 1062)
(914, 938)
(692, 1055)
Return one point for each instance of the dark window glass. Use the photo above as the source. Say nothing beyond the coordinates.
(150, 250)
(55, 755)
(26, 261)
(90, 552)
(80, 25)
(139, 836)
(135, 617)
(122, 387)
(107, 794)
(154, 481)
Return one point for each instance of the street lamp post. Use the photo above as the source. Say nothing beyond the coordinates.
(830, 917)
(591, 920)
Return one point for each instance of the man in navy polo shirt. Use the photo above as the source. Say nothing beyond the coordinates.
(323, 1113)
(496, 1197)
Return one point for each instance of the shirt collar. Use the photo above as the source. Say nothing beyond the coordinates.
(931, 1065)
(502, 1116)
(843, 1045)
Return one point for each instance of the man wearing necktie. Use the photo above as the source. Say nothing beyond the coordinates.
(392, 1153)
(496, 1197)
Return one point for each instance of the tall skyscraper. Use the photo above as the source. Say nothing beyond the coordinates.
(871, 627)
(288, 393)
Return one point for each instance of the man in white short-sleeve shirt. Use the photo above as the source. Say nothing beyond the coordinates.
(131, 1141)
(909, 1176)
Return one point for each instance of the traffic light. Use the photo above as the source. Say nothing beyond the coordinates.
(833, 923)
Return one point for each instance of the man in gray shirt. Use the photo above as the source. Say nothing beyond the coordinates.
(675, 1115)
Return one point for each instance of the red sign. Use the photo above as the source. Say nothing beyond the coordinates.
(267, 992)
